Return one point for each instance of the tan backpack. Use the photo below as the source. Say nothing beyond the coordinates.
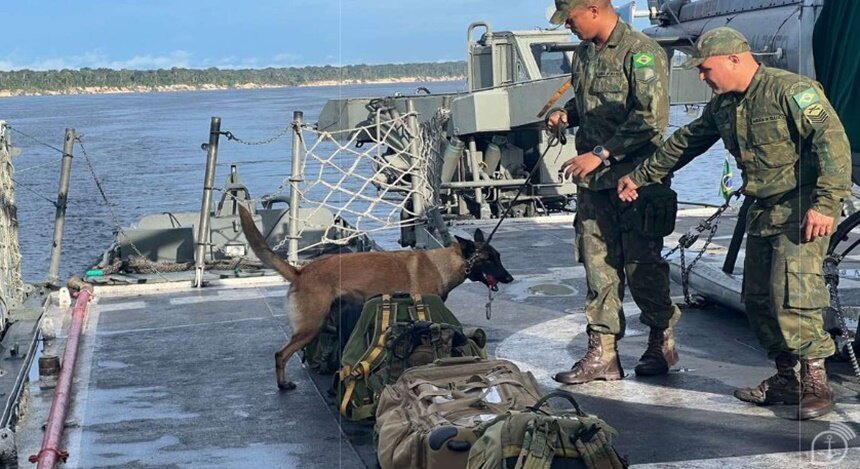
(428, 417)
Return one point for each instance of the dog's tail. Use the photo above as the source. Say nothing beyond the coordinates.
(261, 248)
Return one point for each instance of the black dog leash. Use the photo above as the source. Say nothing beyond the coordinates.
(558, 136)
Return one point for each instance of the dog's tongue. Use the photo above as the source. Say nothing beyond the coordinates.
(491, 281)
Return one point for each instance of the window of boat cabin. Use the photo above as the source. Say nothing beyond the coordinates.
(551, 63)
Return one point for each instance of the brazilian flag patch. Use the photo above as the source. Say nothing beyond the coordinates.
(806, 98)
(643, 59)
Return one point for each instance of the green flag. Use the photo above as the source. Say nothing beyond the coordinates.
(726, 189)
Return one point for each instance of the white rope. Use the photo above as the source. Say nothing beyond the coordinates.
(369, 186)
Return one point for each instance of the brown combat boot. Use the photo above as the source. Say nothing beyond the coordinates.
(660, 354)
(781, 388)
(816, 398)
(601, 362)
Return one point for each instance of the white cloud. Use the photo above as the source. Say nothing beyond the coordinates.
(179, 58)
(285, 58)
(96, 59)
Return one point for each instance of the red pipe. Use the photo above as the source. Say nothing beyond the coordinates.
(50, 452)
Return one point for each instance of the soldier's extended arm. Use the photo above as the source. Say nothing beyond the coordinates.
(649, 92)
(819, 126)
(685, 144)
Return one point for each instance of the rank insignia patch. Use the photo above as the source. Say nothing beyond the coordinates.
(643, 59)
(816, 114)
(806, 98)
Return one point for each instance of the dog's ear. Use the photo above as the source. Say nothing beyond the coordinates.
(467, 246)
(479, 236)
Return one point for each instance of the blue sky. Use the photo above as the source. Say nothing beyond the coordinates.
(149, 34)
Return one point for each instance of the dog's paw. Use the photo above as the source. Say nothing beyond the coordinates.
(288, 386)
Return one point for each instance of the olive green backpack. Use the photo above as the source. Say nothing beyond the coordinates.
(538, 438)
(395, 333)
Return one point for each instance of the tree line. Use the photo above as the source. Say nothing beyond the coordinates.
(30, 81)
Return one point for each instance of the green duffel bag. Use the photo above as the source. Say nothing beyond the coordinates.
(536, 438)
(393, 334)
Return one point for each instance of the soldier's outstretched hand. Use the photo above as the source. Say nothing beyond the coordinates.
(627, 189)
(816, 225)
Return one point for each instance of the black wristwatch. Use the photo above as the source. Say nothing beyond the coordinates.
(600, 152)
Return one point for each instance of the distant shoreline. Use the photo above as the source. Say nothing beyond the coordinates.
(210, 87)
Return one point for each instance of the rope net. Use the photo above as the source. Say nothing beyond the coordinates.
(11, 281)
(370, 177)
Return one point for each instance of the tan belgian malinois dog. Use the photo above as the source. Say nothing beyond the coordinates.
(351, 279)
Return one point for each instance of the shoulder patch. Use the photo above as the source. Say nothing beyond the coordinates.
(643, 59)
(816, 114)
(807, 97)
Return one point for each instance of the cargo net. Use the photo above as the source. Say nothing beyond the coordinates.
(368, 177)
(12, 286)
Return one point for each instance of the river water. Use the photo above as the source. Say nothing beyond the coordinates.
(145, 149)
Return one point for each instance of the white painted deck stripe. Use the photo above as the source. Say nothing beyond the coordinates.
(121, 306)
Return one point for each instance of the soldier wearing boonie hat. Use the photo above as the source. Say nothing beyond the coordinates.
(795, 162)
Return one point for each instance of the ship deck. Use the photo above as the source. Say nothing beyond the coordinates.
(170, 376)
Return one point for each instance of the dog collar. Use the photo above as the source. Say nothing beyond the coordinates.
(470, 262)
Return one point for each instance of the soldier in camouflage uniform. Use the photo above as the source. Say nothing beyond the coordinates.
(795, 160)
(620, 80)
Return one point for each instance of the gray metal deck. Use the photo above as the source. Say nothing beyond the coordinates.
(184, 378)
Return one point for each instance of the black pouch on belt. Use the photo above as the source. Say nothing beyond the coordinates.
(653, 213)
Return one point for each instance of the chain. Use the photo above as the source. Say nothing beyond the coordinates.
(489, 306)
(831, 277)
(280, 134)
(116, 221)
(37, 193)
(685, 271)
(40, 142)
(689, 238)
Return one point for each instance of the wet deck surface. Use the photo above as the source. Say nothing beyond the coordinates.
(185, 378)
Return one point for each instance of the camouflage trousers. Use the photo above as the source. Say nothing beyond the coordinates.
(784, 293)
(612, 255)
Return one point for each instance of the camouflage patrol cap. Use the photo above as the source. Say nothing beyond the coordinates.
(563, 7)
(718, 41)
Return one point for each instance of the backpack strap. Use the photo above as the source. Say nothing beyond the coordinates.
(385, 312)
(420, 308)
(598, 453)
(541, 449)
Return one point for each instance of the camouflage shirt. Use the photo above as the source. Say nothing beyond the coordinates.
(621, 101)
(785, 137)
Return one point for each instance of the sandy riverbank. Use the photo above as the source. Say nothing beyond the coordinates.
(209, 87)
